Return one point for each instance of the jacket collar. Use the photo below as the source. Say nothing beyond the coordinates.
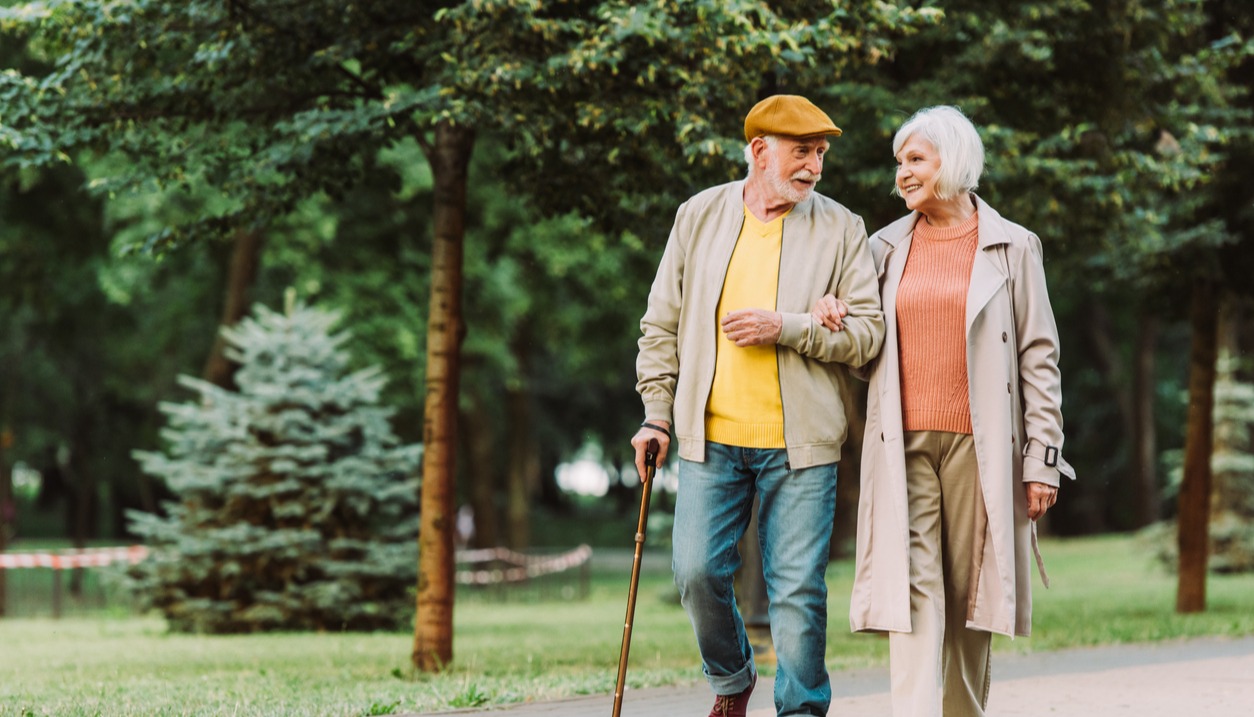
(992, 227)
(736, 200)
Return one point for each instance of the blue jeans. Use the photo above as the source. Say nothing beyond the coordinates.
(795, 518)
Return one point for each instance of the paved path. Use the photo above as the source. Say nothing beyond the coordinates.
(1193, 678)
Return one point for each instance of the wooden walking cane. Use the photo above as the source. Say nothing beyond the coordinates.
(650, 467)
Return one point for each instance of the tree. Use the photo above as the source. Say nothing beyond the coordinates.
(242, 270)
(80, 390)
(1108, 126)
(1232, 498)
(271, 104)
(1233, 494)
(293, 508)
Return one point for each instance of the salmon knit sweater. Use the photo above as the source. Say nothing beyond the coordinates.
(931, 327)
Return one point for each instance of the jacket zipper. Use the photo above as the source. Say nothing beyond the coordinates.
(709, 386)
(779, 370)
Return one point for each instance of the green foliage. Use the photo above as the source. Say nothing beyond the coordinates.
(381, 708)
(471, 697)
(294, 507)
(1105, 123)
(1232, 464)
(655, 93)
(1120, 132)
(79, 390)
(553, 306)
(264, 106)
(255, 117)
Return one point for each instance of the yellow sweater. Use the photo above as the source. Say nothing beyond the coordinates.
(744, 408)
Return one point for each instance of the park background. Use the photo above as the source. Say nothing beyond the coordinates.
(481, 192)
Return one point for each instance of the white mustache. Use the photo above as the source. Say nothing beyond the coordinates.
(807, 176)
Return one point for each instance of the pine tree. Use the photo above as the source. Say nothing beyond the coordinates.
(296, 508)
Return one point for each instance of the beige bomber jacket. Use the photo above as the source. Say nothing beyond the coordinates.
(824, 251)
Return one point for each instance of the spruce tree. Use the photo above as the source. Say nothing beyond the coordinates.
(296, 507)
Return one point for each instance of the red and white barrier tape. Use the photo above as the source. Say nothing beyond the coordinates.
(521, 566)
(69, 559)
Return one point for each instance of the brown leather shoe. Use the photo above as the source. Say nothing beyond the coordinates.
(733, 705)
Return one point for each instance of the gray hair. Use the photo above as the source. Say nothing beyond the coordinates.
(771, 142)
(955, 140)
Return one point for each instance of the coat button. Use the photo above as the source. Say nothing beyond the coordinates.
(1003, 337)
(881, 437)
(1008, 388)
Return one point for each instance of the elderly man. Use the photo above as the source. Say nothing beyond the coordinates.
(732, 360)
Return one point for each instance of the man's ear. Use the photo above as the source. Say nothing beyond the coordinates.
(759, 147)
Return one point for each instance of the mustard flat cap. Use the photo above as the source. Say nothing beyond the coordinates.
(790, 116)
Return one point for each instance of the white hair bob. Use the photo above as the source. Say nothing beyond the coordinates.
(954, 138)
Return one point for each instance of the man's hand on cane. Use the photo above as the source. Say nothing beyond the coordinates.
(655, 429)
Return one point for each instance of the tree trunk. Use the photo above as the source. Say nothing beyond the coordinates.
(523, 472)
(433, 625)
(8, 511)
(83, 478)
(1144, 457)
(1193, 538)
(482, 470)
(1116, 509)
(240, 278)
(1229, 505)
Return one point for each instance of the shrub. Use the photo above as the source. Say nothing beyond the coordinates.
(296, 504)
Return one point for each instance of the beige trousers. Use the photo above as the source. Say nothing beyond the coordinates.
(941, 667)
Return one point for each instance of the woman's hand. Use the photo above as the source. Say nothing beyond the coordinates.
(1041, 497)
(829, 311)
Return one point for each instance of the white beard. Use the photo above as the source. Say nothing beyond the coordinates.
(784, 186)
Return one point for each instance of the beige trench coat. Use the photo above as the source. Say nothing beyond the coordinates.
(1016, 397)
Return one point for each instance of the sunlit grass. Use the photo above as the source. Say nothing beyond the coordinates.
(1106, 590)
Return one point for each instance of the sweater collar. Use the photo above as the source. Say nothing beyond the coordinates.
(736, 201)
(992, 227)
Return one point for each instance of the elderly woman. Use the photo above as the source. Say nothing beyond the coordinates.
(963, 442)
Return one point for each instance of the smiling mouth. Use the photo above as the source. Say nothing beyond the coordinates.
(911, 188)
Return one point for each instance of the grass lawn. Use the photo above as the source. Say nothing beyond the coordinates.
(1106, 590)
